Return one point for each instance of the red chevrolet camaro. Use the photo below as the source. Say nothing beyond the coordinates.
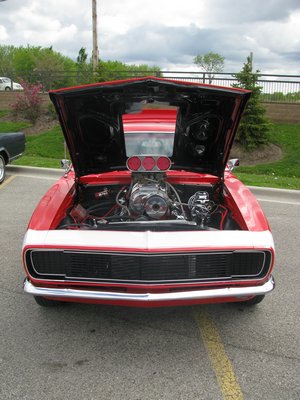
(149, 213)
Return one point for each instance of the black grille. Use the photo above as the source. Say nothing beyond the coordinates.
(147, 268)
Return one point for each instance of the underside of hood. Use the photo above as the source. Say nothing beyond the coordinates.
(205, 119)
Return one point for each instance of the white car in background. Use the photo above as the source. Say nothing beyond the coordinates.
(7, 84)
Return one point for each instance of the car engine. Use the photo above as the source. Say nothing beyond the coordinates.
(150, 200)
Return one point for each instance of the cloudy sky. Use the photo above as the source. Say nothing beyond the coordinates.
(168, 33)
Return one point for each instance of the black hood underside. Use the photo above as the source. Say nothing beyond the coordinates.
(207, 119)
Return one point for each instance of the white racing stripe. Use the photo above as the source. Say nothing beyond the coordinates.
(150, 240)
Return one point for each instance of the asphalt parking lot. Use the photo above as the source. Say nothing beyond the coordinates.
(85, 352)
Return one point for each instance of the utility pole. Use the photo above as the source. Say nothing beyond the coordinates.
(95, 56)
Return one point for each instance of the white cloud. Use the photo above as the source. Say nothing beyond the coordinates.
(3, 33)
(27, 19)
(165, 12)
(62, 34)
(281, 36)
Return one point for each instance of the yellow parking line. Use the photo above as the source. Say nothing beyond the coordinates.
(216, 352)
(7, 181)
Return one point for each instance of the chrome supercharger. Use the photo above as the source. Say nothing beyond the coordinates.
(150, 198)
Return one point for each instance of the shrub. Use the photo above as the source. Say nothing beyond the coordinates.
(28, 103)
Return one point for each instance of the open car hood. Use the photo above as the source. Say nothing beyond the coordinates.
(205, 119)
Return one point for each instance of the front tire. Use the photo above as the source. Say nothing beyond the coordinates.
(43, 302)
(252, 302)
(2, 169)
(8, 89)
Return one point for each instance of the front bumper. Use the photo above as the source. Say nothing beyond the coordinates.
(64, 294)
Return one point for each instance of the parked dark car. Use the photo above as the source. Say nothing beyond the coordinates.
(12, 145)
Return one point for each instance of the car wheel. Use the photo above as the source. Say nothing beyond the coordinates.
(2, 169)
(43, 302)
(253, 301)
(7, 89)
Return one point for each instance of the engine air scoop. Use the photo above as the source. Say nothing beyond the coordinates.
(148, 163)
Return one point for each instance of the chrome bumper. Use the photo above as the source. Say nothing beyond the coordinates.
(238, 292)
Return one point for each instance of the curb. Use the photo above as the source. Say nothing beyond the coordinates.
(278, 194)
(35, 171)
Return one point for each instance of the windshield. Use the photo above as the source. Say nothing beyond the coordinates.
(150, 131)
(152, 143)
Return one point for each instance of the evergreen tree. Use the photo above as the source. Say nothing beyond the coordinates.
(254, 127)
(84, 68)
(82, 56)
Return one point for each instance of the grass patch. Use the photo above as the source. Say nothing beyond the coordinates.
(44, 150)
(6, 126)
(282, 182)
(288, 138)
(280, 174)
(4, 113)
(34, 161)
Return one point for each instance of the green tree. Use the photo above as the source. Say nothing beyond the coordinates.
(82, 56)
(6, 62)
(37, 64)
(210, 63)
(254, 127)
(111, 70)
(84, 68)
(53, 69)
